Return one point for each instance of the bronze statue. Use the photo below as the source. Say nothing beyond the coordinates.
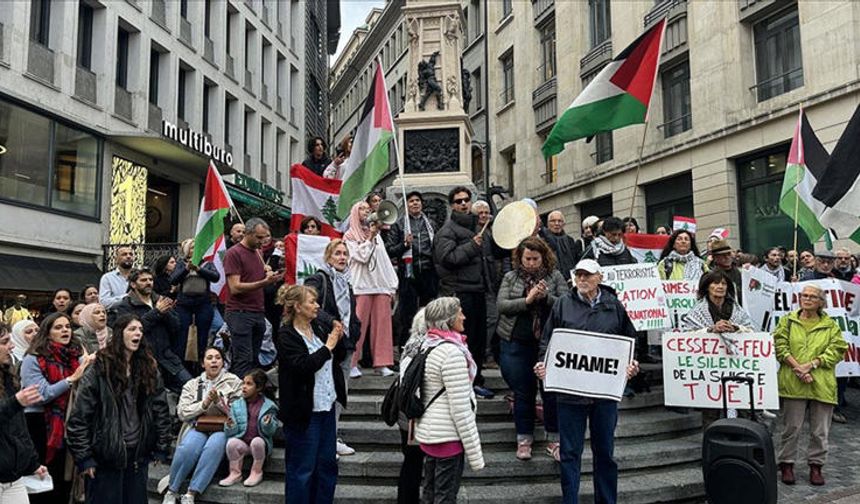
(428, 83)
(466, 79)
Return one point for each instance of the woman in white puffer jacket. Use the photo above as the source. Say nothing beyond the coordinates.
(447, 431)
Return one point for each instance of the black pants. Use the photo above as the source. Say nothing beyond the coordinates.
(62, 488)
(442, 479)
(121, 486)
(474, 305)
(414, 293)
(246, 337)
(409, 484)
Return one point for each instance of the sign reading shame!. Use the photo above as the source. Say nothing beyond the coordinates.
(587, 364)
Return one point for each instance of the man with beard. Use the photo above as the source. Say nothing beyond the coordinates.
(842, 269)
(561, 243)
(160, 326)
(114, 285)
(773, 265)
(824, 261)
(458, 254)
(420, 288)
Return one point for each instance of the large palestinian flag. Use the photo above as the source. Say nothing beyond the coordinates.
(368, 160)
(618, 96)
(209, 238)
(838, 188)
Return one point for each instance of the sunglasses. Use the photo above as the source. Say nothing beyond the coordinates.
(461, 201)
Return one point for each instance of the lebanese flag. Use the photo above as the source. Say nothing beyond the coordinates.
(303, 256)
(685, 223)
(317, 196)
(646, 248)
(369, 159)
(209, 245)
(618, 96)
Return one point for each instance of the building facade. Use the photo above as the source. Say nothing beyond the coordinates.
(384, 36)
(732, 78)
(110, 112)
(321, 39)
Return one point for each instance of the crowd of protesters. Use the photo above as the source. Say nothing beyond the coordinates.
(147, 362)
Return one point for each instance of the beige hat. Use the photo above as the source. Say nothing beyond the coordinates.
(590, 221)
(589, 265)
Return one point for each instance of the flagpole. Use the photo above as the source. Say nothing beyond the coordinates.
(797, 202)
(639, 165)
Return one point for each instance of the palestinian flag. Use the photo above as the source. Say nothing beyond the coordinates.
(209, 244)
(303, 256)
(807, 161)
(368, 161)
(314, 195)
(646, 248)
(838, 189)
(618, 96)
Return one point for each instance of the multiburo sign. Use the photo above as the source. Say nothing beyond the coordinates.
(193, 140)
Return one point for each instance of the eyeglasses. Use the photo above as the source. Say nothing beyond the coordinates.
(461, 201)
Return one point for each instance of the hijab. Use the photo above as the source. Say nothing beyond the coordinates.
(21, 343)
(87, 322)
(359, 230)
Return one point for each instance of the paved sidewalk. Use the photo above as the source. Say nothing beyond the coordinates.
(842, 471)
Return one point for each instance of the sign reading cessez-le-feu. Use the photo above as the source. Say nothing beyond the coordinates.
(197, 141)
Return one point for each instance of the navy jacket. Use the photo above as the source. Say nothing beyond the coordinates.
(329, 312)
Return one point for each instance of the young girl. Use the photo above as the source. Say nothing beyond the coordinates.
(253, 421)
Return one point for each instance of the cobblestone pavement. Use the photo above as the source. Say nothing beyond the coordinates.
(842, 471)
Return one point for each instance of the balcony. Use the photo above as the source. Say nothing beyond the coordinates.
(209, 50)
(40, 62)
(754, 10)
(85, 84)
(122, 103)
(264, 93)
(228, 67)
(542, 9)
(153, 119)
(249, 81)
(675, 39)
(159, 13)
(665, 8)
(545, 104)
(185, 31)
(595, 58)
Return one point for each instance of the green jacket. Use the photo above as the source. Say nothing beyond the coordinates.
(824, 342)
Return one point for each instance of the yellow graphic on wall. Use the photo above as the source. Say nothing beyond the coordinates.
(127, 202)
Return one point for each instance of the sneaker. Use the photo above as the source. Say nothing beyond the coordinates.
(383, 371)
(484, 392)
(554, 450)
(163, 484)
(343, 448)
(170, 497)
(768, 414)
(524, 450)
(187, 499)
(355, 372)
(839, 417)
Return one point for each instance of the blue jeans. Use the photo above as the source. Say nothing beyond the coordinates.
(311, 460)
(200, 310)
(246, 337)
(601, 416)
(200, 452)
(517, 361)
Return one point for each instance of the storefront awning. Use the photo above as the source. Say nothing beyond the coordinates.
(164, 149)
(252, 200)
(44, 275)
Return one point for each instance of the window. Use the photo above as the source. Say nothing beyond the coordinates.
(762, 224)
(602, 147)
(183, 8)
(778, 62)
(122, 37)
(667, 198)
(508, 77)
(180, 95)
(40, 21)
(247, 134)
(477, 90)
(154, 70)
(507, 8)
(207, 17)
(207, 94)
(47, 163)
(599, 22)
(228, 115)
(547, 50)
(231, 16)
(85, 36)
(551, 170)
(677, 112)
(510, 158)
(601, 207)
(475, 25)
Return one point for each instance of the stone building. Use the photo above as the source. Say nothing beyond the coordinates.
(732, 78)
(321, 38)
(110, 111)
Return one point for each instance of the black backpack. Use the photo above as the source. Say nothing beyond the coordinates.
(404, 395)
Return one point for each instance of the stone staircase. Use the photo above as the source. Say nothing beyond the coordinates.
(658, 453)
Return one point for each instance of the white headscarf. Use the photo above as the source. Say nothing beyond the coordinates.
(18, 339)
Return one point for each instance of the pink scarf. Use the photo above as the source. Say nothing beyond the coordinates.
(358, 229)
(436, 337)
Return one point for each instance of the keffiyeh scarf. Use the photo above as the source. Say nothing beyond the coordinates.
(601, 245)
(693, 266)
(340, 281)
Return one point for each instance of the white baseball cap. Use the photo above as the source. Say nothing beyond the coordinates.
(589, 265)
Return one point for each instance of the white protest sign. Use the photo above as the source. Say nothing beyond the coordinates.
(587, 364)
(767, 301)
(680, 299)
(694, 362)
(640, 290)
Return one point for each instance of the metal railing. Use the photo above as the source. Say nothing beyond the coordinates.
(675, 126)
(146, 254)
(660, 10)
(767, 89)
(603, 49)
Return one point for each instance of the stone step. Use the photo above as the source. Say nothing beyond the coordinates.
(503, 465)
(681, 483)
(646, 422)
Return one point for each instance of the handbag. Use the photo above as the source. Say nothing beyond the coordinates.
(389, 410)
(210, 423)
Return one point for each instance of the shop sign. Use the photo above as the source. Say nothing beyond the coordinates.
(254, 186)
(197, 141)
